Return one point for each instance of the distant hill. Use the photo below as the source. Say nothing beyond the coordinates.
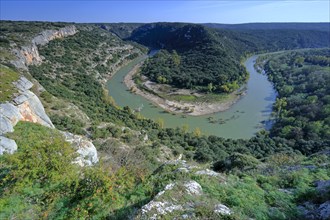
(211, 53)
(322, 26)
(122, 30)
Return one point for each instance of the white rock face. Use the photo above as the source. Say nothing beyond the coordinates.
(44, 37)
(193, 188)
(222, 209)
(6, 126)
(24, 107)
(32, 109)
(23, 84)
(29, 55)
(160, 207)
(85, 148)
(7, 145)
(10, 112)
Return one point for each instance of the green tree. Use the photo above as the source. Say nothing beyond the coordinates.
(210, 87)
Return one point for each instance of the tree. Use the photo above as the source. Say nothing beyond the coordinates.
(279, 105)
(197, 132)
(210, 87)
(160, 122)
(176, 58)
(185, 128)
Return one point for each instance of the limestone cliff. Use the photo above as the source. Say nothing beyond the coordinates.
(26, 106)
(28, 55)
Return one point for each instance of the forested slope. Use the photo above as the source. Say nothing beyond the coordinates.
(194, 56)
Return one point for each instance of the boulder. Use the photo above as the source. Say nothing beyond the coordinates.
(85, 148)
(7, 145)
(193, 188)
(222, 209)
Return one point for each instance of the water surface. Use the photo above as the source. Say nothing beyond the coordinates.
(250, 114)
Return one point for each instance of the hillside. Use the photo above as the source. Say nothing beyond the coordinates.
(192, 56)
(196, 57)
(322, 26)
(69, 152)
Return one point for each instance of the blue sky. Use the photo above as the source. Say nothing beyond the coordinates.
(221, 11)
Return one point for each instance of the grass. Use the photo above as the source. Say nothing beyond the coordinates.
(7, 88)
(185, 98)
(208, 97)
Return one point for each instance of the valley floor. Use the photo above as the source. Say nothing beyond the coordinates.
(194, 108)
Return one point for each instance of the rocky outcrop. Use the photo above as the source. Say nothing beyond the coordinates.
(32, 109)
(7, 145)
(26, 106)
(222, 209)
(23, 84)
(9, 116)
(313, 211)
(29, 55)
(321, 211)
(44, 37)
(176, 202)
(86, 150)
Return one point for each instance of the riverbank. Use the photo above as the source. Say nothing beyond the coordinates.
(188, 108)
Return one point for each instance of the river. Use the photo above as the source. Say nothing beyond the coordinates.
(250, 114)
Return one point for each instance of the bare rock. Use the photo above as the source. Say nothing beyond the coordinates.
(207, 172)
(10, 112)
(324, 210)
(23, 84)
(323, 186)
(44, 37)
(7, 145)
(20, 99)
(84, 147)
(32, 109)
(193, 188)
(222, 209)
(313, 211)
(160, 208)
(5, 125)
(29, 55)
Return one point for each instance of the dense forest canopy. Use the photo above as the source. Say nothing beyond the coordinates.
(193, 56)
(302, 79)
